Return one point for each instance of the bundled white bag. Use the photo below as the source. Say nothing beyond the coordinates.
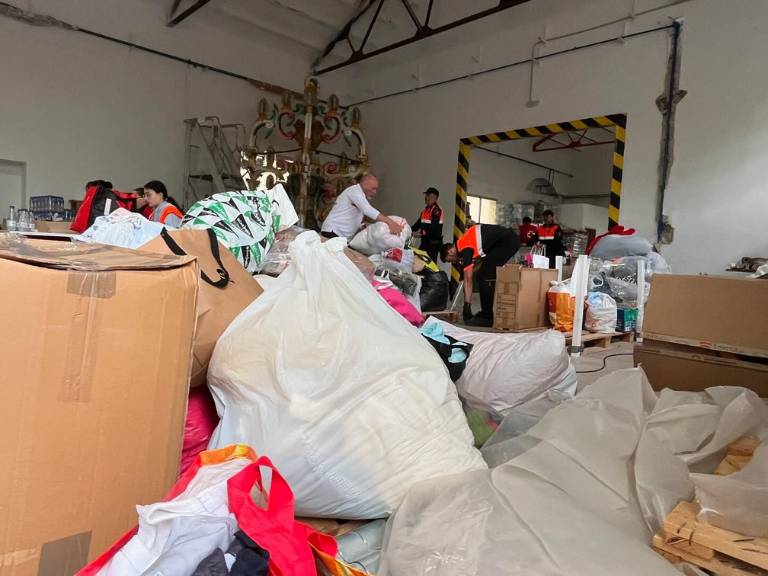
(347, 399)
(507, 370)
(601, 313)
(377, 238)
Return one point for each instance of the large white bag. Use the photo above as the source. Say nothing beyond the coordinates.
(346, 398)
(506, 370)
(376, 237)
(601, 313)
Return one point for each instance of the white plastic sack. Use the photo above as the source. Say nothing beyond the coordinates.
(175, 536)
(601, 313)
(121, 228)
(506, 370)
(377, 238)
(347, 399)
(616, 246)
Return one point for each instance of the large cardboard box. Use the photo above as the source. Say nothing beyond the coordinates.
(712, 312)
(520, 299)
(95, 354)
(696, 369)
(54, 226)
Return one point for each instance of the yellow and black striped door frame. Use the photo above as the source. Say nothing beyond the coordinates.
(619, 121)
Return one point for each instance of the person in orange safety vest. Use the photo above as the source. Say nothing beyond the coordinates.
(429, 226)
(477, 253)
(551, 237)
(165, 209)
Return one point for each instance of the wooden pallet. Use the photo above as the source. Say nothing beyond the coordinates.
(451, 316)
(683, 538)
(602, 340)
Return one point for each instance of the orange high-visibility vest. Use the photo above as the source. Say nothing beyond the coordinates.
(170, 210)
(547, 232)
(471, 239)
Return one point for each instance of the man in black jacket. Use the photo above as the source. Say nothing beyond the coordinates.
(429, 226)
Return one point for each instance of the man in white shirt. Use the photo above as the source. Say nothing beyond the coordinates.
(346, 216)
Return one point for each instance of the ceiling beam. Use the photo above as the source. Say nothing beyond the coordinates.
(176, 18)
(422, 31)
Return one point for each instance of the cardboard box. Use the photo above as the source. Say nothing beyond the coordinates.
(694, 369)
(520, 299)
(95, 350)
(712, 312)
(60, 227)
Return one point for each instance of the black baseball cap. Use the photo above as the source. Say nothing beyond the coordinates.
(432, 190)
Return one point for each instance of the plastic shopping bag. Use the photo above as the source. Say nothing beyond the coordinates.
(209, 503)
(562, 305)
(346, 397)
(376, 237)
(601, 313)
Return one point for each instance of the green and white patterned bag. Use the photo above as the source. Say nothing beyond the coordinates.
(245, 222)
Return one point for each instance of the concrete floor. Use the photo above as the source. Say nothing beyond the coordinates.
(592, 359)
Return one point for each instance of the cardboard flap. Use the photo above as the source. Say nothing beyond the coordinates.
(84, 257)
(715, 312)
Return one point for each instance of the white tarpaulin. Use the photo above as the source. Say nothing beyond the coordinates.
(349, 401)
(583, 490)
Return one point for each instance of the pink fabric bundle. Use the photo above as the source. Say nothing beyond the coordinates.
(400, 303)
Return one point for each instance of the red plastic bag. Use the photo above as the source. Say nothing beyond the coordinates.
(201, 421)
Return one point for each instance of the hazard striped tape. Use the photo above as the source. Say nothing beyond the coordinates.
(619, 121)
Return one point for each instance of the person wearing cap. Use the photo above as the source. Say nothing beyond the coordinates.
(429, 226)
(551, 237)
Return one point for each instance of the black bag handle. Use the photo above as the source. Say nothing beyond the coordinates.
(223, 274)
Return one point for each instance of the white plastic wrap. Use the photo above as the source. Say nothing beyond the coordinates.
(572, 499)
(121, 228)
(376, 237)
(347, 399)
(506, 370)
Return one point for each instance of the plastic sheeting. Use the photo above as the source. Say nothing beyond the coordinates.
(121, 228)
(347, 398)
(506, 370)
(582, 491)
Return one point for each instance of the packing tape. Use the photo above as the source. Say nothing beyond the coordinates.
(18, 557)
(92, 284)
(65, 556)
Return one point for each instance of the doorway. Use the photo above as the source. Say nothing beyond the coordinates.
(573, 168)
(13, 180)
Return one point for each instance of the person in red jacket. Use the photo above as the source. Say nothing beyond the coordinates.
(429, 226)
(551, 236)
(529, 232)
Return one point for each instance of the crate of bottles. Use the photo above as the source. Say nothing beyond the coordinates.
(46, 204)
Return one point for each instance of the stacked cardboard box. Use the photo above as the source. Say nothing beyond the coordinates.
(520, 300)
(96, 354)
(702, 331)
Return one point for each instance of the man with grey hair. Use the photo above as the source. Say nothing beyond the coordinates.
(351, 206)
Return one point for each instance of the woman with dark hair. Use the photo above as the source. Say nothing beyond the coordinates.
(165, 209)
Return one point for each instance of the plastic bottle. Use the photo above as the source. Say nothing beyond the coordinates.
(11, 222)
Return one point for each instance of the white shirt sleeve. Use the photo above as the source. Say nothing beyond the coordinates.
(358, 199)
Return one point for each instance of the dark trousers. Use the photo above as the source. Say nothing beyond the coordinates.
(432, 246)
(497, 255)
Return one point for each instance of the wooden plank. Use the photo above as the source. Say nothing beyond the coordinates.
(682, 523)
(738, 455)
(687, 546)
(719, 565)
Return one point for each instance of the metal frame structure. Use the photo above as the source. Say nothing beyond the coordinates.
(423, 30)
(576, 140)
(616, 121)
(176, 16)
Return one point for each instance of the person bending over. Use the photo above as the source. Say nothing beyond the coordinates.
(477, 253)
(346, 216)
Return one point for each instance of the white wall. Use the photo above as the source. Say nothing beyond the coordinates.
(75, 108)
(11, 186)
(716, 183)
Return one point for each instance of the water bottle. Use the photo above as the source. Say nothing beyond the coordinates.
(11, 222)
